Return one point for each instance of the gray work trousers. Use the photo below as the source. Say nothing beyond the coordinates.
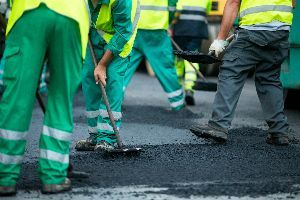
(264, 51)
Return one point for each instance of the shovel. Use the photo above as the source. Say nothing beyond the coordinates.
(201, 85)
(120, 147)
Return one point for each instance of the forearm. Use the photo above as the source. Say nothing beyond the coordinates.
(230, 12)
(106, 58)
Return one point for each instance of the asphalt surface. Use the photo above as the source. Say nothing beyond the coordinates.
(175, 164)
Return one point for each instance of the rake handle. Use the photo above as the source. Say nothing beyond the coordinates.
(106, 102)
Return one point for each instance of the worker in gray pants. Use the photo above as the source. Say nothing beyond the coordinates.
(262, 45)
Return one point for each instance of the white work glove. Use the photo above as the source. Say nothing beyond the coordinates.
(3, 6)
(218, 47)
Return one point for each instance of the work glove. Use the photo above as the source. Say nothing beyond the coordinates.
(3, 6)
(218, 47)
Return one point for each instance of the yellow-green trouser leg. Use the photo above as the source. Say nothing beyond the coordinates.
(156, 46)
(99, 125)
(51, 35)
(179, 64)
(190, 75)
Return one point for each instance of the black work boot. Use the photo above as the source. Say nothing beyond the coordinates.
(85, 145)
(277, 139)
(189, 98)
(57, 188)
(207, 132)
(8, 190)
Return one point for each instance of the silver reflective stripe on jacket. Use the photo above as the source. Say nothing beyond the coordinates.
(194, 8)
(193, 17)
(154, 8)
(266, 8)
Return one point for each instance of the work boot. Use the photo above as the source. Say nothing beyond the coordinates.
(207, 132)
(57, 188)
(8, 190)
(189, 98)
(85, 145)
(277, 139)
(104, 146)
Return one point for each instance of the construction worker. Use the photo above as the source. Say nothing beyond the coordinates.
(59, 31)
(152, 41)
(115, 25)
(190, 27)
(262, 44)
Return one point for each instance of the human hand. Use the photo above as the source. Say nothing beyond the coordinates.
(100, 74)
(218, 47)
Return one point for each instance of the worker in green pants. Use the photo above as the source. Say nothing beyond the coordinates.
(153, 42)
(120, 19)
(58, 31)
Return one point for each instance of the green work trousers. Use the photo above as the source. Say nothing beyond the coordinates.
(99, 125)
(57, 38)
(156, 46)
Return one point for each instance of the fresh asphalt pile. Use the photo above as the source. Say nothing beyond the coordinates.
(245, 165)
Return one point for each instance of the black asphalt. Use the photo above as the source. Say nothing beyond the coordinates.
(245, 165)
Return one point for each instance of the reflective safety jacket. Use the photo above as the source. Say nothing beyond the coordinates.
(106, 27)
(154, 15)
(253, 12)
(192, 18)
(77, 10)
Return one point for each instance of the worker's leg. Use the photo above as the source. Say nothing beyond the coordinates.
(238, 60)
(91, 91)
(65, 69)
(43, 84)
(114, 89)
(192, 44)
(159, 52)
(179, 64)
(135, 60)
(24, 56)
(268, 84)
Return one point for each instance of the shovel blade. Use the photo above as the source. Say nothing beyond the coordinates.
(205, 86)
(197, 57)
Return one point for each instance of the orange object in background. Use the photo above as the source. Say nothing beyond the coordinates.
(217, 7)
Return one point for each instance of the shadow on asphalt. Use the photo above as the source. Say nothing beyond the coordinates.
(245, 165)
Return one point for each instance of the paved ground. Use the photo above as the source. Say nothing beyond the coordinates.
(175, 164)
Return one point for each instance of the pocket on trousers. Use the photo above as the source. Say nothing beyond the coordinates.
(10, 62)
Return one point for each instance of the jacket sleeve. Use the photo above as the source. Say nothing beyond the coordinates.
(121, 14)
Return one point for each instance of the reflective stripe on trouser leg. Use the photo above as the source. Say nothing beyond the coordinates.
(65, 69)
(190, 75)
(12, 147)
(91, 90)
(157, 44)
(20, 86)
(114, 90)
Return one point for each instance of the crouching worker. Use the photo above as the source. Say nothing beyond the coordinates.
(112, 34)
(58, 31)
